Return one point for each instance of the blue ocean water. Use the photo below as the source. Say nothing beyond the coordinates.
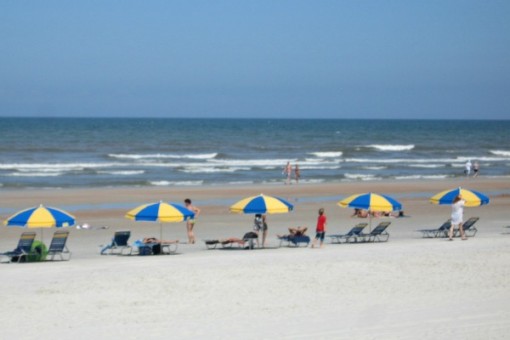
(97, 152)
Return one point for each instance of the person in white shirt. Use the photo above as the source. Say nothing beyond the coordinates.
(467, 168)
(457, 217)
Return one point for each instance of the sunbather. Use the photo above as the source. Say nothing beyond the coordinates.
(229, 240)
(393, 214)
(246, 238)
(361, 213)
(149, 240)
(293, 232)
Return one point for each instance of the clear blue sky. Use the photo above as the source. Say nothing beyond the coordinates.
(283, 59)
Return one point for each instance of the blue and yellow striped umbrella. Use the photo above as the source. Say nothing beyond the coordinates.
(472, 198)
(371, 201)
(160, 212)
(41, 217)
(262, 204)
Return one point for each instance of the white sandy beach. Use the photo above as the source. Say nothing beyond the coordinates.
(406, 288)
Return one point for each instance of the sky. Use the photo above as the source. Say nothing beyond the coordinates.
(365, 59)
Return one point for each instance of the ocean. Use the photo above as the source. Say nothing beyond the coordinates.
(102, 152)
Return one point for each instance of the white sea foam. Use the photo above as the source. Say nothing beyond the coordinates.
(374, 167)
(35, 174)
(427, 166)
(461, 160)
(48, 167)
(311, 181)
(390, 147)
(176, 183)
(158, 156)
(363, 177)
(320, 167)
(251, 162)
(422, 177)
(500, 153)
(122, 172)
(198, 169)
(481, 159)
(330, 154)
(160, 183)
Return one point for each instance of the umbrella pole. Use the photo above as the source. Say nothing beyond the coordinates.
(160, 232)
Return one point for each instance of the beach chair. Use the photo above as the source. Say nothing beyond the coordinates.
(294, 240)
(23, 250)
(442, 231)
(354, 234)
(469, 227)
(58, 247)
(378, 234)
(169, 248)
(247, 242)
(119, 244)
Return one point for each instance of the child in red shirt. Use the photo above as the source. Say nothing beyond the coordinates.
(320, 231)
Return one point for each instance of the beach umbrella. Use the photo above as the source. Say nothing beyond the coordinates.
(371, 202)
(262, 204)
(160, 212)
(472, 198)
(41, 217)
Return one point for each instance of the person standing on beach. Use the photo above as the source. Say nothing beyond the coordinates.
(297, 173)
(476, 167)
(457, 217)
(320, 231)
(287, 171)
(467, 168)
(190, 223)
(260, 224)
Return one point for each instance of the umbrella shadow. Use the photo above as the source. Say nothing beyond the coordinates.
(506, 232)
(245, 248)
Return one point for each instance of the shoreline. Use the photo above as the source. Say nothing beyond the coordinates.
(408, 188)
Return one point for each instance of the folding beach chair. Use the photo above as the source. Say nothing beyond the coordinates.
(378, 234)
(169, 248)
(23, 249)
(294, 240)
(58, 246)
(119, 244)
(442, 231)
(469, 228)
(247, 242)
(354, 234)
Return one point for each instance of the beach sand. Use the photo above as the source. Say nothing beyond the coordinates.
(406, 288)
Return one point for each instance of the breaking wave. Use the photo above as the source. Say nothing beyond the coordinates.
(390, 147)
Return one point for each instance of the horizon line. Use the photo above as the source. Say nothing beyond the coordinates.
(253, 118)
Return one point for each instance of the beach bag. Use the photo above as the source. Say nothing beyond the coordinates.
(250, 235)
(144, 250)
(156, 249)
(258, 223)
